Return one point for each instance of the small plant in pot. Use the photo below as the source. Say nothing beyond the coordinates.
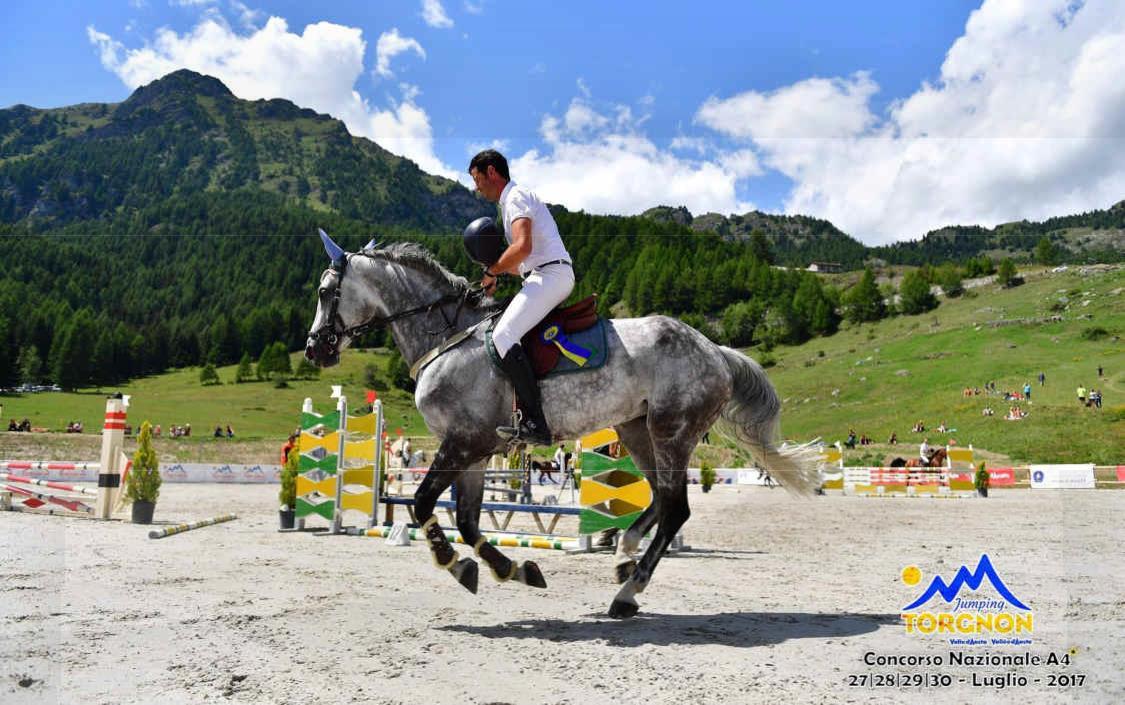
(288, 494)
(707, 476)
(981, 480)
(142, 487)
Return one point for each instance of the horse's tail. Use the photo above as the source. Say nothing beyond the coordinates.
(754, 415)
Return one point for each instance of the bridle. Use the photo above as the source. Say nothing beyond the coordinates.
(334, 327)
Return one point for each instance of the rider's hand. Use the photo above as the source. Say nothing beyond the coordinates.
(488, 283)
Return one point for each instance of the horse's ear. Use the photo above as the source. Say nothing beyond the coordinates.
(371, 245)
(335, 252)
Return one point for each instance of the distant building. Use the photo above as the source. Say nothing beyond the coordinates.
(826, 267)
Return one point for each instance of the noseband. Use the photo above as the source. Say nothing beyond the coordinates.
(334, 327)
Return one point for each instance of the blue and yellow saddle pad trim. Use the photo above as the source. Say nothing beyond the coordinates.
(578, 352)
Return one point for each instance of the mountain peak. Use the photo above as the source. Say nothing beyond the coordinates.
(175, 87)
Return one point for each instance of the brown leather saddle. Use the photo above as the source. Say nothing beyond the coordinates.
(569, 319)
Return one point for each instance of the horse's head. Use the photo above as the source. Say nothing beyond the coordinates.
(345, 308)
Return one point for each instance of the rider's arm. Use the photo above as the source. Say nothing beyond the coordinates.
(517, 252)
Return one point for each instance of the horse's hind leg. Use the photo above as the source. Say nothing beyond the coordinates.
(634, 434)
(470, 493)
(670, 499)
(443, 471)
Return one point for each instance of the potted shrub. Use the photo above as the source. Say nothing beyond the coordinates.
(981, 480)
(288, 494)
(142, 487)
(707, 476)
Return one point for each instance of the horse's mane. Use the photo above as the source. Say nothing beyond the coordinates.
(413, 255)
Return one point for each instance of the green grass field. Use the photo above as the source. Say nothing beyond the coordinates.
(889, 375)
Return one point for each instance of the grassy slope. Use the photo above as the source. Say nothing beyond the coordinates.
(873, 398)
(964, 350)
(255, 410)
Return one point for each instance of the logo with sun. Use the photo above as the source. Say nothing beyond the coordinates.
(911, 575)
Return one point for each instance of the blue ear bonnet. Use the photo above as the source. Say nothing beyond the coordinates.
(335, 252)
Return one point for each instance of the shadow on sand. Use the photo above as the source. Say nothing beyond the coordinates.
(742, 629)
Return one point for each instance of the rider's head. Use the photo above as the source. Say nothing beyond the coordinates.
(489, 170)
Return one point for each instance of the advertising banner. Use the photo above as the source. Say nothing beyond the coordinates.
(1062, 477)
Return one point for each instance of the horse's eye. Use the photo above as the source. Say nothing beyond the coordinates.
(322, 291)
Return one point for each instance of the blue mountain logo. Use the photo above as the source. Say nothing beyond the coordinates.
(971, 580)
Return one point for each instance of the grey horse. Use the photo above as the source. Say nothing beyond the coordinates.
(663, 386)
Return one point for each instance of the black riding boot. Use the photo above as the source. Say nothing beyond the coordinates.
(533, 427)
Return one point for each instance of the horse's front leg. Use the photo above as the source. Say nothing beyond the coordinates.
(470, 493)
(447, 465)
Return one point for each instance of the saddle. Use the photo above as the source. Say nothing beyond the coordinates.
(568, 339)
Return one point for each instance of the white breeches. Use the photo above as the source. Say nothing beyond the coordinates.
(543, 290)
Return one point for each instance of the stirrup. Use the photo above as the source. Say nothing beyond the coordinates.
(521, 434)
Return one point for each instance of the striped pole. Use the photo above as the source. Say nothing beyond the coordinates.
(109, 474)
(46, 483)
(181, 528)
(501, 540)
(35, 500)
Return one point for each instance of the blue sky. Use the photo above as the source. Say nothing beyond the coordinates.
(888, 118)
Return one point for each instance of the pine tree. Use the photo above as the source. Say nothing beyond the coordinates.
(208, 376)
(1046, 253)
(307, 370)
(143, 481)
(1006, 274)
(915, 294)
(245, 369)
(30, 365)
(864, 302)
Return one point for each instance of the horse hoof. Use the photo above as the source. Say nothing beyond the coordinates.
(467, 573)
(620, 609)
(531, 575)
(624, 570)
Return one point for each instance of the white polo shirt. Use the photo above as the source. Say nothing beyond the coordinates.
(546, 244)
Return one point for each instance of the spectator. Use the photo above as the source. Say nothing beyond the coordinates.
(893, 439)
(290, 444)
(1096, 398)
(850, 443)
(156, 431)
(987, 411)
(230, 431)
(942, 428)
(406, 452)
(560, 459)
(218, 432)
(1042, 379)
(187, 429)
(1099, 371)
(1081, 395)
(12, 426)
(1027, 391)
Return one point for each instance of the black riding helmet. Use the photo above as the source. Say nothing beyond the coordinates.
(484, 241)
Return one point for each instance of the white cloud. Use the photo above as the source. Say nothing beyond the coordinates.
(602, 163)
(391, 44)
(191, 3)
(434, 14)
(317, 69)
(474, 8)
(1021, 123)
(247, 16)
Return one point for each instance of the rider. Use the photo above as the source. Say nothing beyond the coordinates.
(536, 252)
(925, 451)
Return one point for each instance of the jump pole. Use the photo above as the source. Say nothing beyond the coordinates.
(181, 528)
(46, 483)
(500, 540)
(109, 473)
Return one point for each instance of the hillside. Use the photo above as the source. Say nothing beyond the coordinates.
(874, 378)
(883, 377)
